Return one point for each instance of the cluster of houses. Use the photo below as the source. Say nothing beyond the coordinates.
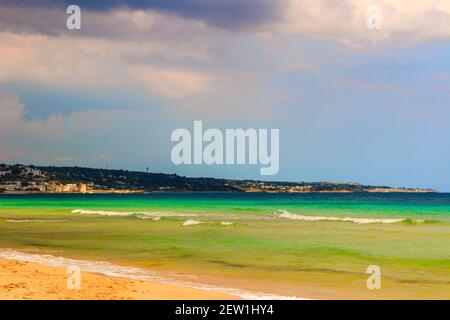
(17, 179)
(268, 187)
(53, 187)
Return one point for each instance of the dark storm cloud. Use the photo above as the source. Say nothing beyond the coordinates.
(229, 14)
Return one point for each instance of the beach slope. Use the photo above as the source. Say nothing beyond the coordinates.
(24, 280)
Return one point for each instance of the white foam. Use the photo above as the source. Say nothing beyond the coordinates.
(192, 222)
(196, 222)
(23, 221)
(34, 220)
(155, 215)
(105, 213)
(287, 215)
(118, 271)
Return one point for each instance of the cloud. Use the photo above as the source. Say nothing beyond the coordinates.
(85, 138)
(39, 59)
(12, 125)
(11, 111)
(170, 83)
(229, 14)
(341, 21)
(345, 21)
(12, 120)
(86, 64)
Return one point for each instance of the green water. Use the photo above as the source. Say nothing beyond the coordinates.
(250, 241)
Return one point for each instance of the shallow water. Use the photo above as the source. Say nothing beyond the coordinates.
(303, 245)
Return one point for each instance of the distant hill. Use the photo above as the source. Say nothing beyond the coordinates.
(24, 179)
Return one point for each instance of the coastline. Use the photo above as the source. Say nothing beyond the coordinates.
(81, 180)
(20, 280)
(42, 276)
(233, 191)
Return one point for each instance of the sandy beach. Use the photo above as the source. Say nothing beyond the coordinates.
(24, 280)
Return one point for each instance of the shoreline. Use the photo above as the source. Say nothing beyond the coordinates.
(22, 273)
(21, 280)
(109, 192)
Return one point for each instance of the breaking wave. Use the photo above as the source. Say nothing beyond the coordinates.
(24, 221)
(196, 222)
(287, 215)
(192, 222)
(33, 220)
(132, 273)
(155, 216)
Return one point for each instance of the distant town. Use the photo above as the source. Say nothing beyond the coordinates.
(25, 179)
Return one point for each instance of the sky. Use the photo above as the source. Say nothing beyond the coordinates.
(352, 104)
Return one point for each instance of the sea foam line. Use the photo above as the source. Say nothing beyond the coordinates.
(155, 215)
(287, 215)
(196, 222)
(133, 273)
(34, 220)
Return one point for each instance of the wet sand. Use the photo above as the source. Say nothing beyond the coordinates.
(30, 281)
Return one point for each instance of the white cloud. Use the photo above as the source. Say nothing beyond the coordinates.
(174, 57)
(170, 83)
(12, 125)
(55, 62)
(91, 65)
(121, 49)
(12, 119)
(344, 21)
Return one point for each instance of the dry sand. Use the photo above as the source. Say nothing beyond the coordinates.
(23, 280)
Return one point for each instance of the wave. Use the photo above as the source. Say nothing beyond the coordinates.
(33, 220)
(23, 221)
(132, 273)
(192, 222)
(196, 222)
(105, 213)
(155, 215)
(287, 215)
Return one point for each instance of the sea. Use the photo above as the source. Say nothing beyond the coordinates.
(250, 245)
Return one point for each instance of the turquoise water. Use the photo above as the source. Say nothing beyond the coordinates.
(313, 244)
(427, 205)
